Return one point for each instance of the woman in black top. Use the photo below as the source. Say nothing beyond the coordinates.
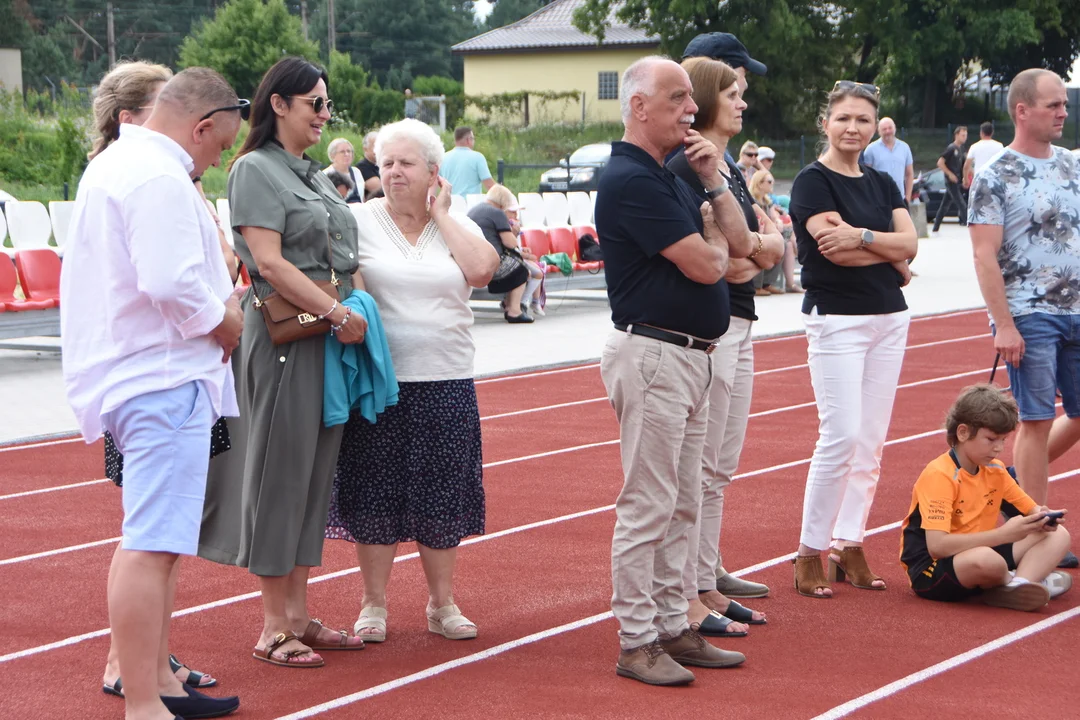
(719, 118)
(854, 237)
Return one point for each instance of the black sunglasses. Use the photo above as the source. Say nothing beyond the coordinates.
(318, 102)
(244, 106)
(852, 85)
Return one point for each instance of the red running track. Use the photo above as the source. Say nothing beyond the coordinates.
(538, 584)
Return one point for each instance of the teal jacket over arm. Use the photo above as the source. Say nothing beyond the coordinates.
(361, 376)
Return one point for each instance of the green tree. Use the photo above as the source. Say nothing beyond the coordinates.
(504, 12)
(244, 39)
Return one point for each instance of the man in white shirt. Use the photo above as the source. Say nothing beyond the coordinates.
(981, 152)
(892, 156)
(148, 320)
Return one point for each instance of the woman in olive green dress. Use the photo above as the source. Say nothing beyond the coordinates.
(267, 504)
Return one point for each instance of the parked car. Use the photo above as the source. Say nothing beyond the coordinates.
(587, 164)
(930, 189)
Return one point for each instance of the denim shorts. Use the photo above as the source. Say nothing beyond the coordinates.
(165, 439)
(1051, 363)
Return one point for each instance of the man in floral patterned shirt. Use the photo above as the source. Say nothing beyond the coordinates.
(1024, 221)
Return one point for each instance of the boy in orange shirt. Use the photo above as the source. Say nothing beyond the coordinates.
(951, 545)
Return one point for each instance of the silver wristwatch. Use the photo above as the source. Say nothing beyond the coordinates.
(867, 238)
(719, 189)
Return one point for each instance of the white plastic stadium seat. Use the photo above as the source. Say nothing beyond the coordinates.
(29, 225)
(458, 204)
(532, 209)
(474, 199)
(225, 217)
(580, 208)
(556, 208)
(3, 234)
(60, 212)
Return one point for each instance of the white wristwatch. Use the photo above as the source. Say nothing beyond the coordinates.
(867, 238)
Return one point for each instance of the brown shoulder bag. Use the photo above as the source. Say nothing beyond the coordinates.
(287, 323)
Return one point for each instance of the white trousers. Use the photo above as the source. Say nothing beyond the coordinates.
(854, 367)
(729, 410)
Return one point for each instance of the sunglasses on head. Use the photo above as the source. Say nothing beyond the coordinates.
(318, 102)
(852, 85)
(244, 106)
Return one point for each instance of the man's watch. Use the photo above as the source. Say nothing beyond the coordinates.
(867, 238)
(718, 190)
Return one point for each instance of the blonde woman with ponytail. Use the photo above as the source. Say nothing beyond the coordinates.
(127, 95)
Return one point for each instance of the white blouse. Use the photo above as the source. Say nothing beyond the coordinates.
(422, 294)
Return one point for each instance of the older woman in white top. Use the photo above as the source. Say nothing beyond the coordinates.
(341, 154)
(416, 474)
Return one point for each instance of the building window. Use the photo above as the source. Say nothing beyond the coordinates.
(609, 86)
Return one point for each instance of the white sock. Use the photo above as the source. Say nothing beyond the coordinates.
(1017, 582)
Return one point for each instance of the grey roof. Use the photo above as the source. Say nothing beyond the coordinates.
(552, 26)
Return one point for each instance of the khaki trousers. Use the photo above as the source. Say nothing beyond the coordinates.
(729, 412)
(660, 393)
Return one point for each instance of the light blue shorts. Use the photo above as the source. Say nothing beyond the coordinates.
(1051, 363)
(165, 439)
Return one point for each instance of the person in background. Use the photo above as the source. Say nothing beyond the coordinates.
(341, 156)
(149, 321)
(718, 119)
(892, 156)
(343, 183)
(768, 282)
(465, 169)
(416, 475)
(493, 218)
(981, 152)
(726, 48)
(748, 160)
(292, 229)
(855, 237)
(127, 95)
(766, 156)
(369, 169)
(412, 105)
(951, 163)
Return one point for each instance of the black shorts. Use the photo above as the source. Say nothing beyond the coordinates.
(939, 581)
(517, 278)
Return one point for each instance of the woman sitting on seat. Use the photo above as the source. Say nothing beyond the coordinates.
(761, 189)
(517, 276)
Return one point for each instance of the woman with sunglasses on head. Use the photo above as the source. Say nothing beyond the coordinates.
(705, 581)
(127, 95)
(854, 237)
(271, 492)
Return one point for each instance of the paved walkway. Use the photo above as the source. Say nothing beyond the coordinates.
(573, 331)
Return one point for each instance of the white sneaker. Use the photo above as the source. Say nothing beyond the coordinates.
(536, 310)
(1057, 583)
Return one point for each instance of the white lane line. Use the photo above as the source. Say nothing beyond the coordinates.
(915, 678)
(27, 493)
(60, 551)
(559, 406)
(541, 373)
(44, 443)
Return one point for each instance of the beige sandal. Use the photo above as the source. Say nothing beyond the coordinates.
(450, 623)
(372, 619)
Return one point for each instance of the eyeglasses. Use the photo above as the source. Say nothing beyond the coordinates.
(317, 103)
(852, 85)
(244, 106)
(750, 154)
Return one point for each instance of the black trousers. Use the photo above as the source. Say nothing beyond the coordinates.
(954, 195)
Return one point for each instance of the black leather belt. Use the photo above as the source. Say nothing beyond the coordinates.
(669, 337)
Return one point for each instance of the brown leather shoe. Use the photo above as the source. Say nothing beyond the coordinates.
(690, 648)
(650, 664)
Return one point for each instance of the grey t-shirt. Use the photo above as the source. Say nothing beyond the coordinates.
(491, 221)
(1037, 203)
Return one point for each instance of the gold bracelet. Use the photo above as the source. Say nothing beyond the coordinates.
(760, 246)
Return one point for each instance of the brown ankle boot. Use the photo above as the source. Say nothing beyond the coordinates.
(851, 562)
(650, 664)
(810, 577)
(690, 648)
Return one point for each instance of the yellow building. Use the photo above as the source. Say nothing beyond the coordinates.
(544, 52)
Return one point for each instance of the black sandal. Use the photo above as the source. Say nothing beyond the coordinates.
(716, 625)
(194, 678)
(741, 613)
(116, 689)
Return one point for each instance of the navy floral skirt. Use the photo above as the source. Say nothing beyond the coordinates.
(415, 475)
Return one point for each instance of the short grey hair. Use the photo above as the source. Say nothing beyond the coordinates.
(420, 134)
(370, 138)
(197, 91)
(638, 79)
(336, 145)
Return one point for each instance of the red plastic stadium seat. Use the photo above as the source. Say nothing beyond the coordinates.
(580, 230)
(536, 240)
(8, 282)
(245, 279)
(563, 240)
(40, 274)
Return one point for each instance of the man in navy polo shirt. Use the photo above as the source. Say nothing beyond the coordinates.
(664, 259)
